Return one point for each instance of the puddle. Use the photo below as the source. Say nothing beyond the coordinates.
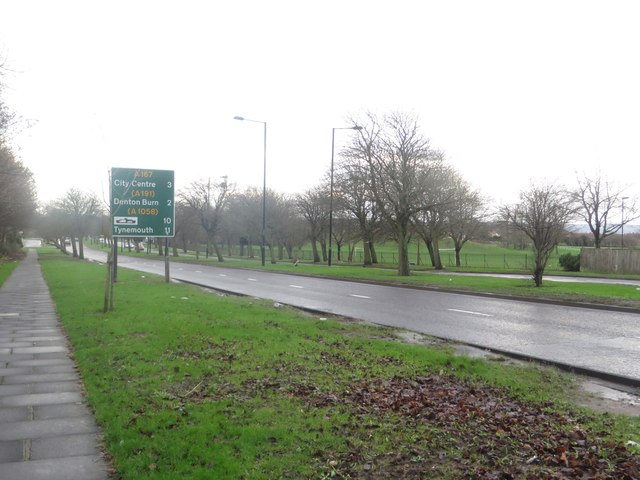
(611, 393)
(418, 338)
(605, 397)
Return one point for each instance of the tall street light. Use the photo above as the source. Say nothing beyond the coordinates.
(264, 186)
(622, 225)
(333, 142)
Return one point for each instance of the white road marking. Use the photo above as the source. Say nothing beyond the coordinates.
(198, 271)
(252, 279)
(221, 275)
(358, 296)
(469, 312)
(295, 286)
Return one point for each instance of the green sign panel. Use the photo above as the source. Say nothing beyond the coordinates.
(142, 202)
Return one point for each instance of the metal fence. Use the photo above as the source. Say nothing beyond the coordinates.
(522, 261)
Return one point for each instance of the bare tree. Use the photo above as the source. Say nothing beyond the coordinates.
(465, 215)
(354, 195)
(313, 205)
(187, 227)
(431, 223)
(398, 159)
(597, 200)
(542, 215)
(83, 209)
(209, 201)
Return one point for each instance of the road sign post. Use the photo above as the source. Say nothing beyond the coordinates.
(142, 202)
(143, 205)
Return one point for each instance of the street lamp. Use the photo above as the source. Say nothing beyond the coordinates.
(622, 225)
(264, 185)
(333, 138)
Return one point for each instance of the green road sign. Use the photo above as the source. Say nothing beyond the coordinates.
(142, 202)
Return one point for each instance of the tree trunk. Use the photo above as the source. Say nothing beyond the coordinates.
(436, 255)
(81, 247)
(314, 248)
(537, 274)
(372, 252)
(74, 247)
(458, 248)
(323, 247)
(367, 251)
(218, 252)
(175, 249)
(403, 255)
(429, 245)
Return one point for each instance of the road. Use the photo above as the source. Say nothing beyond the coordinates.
(592, 339)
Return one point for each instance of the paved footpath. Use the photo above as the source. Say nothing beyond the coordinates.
(46, 429)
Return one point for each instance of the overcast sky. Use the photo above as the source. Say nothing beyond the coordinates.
(509, 90)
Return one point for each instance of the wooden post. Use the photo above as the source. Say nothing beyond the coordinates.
(107, 285)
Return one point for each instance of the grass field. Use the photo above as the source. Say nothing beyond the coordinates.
(191, 384)
(475, 256)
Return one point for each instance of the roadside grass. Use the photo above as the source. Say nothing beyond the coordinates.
(7, 266)
(188, 383)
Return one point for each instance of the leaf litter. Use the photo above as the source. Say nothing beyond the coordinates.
(490, 434)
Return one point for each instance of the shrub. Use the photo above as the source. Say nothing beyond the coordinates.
(570, 262)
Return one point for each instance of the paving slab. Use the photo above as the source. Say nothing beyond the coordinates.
(57, 427)
(55, 387)
(10, 390)
(66, 446)
(88, 467)
(36, 378)
(40, 362)
(62, 410)
(46, 429)
(11, 451)
(13, 414)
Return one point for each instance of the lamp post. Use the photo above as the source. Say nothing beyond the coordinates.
(264, 186)
(333, 138)
(622, 225)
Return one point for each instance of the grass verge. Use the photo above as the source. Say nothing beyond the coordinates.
(191, 384)
(8, 265)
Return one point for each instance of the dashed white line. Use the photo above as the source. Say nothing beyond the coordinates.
(221, 275)
(295, 286)
(358, 296)
(252, 279)
(468, 312)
